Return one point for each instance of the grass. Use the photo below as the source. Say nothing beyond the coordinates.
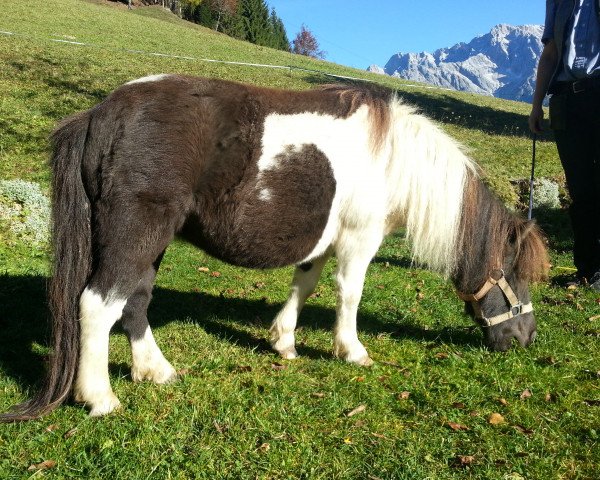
(238, 411)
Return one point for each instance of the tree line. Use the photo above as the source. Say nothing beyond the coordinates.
(249, 20)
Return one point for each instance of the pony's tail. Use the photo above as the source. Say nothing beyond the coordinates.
(71, 237)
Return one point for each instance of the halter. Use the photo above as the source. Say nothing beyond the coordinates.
(516, 306)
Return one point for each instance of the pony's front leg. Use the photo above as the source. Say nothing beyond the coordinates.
(305, 280)
(98, 314)
(354, 254)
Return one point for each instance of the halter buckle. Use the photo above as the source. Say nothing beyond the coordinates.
(516, 309)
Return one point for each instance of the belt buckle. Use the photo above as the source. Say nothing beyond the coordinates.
(577, 86)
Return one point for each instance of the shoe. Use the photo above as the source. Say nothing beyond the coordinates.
(594, 282)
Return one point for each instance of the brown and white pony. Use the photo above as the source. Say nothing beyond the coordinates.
(261, 178)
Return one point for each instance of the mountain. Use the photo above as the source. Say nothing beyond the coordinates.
(501, 63)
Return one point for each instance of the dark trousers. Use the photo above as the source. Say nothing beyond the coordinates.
(575, 119)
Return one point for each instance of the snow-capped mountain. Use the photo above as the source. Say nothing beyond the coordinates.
(501, 63)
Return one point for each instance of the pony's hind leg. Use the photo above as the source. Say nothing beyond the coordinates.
(148, 361)
(98, 312)
(125, 253)
(282, 330)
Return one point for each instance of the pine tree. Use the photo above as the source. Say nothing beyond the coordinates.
(280, 38)
(255, 15)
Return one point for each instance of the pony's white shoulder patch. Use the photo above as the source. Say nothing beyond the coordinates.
(149, 78)
(358, 173)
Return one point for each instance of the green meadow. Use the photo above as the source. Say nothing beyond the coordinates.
(437, 404)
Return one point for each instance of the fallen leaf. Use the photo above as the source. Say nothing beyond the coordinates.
(525, 394)
(277, 366)
(495, 419)
(359, 379)
(592, 403)
(215, 274)
(379, 435)
(464, 460)
(441, 355)
(259, 285)
(380, 287)
(219, 428)
(420, 296)
(391, 364)
(52, 428)
(550, 397)
(183, 371)
(354, 411)
(548, 360)
(204, 269)
(474, 413)
(45, 465)
(514, 476)
(347, 441)
(264, 448)
(403, 395)
(317, 395)
(594, 317)
(457, 427)
(459, 405)
(522, 429)
(70, 433)
(243, 368)
(503, 401)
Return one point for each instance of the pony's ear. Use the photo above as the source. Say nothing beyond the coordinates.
(532, 254)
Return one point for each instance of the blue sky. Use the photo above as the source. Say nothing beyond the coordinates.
(360, 33)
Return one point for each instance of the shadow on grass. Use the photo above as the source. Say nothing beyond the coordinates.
(24, 324)
(556, 225)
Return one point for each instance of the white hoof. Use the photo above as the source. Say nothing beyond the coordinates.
(161, 373)
(285, 346)
(357, 355)
(365, 361)
(100, 405)
(289, 353)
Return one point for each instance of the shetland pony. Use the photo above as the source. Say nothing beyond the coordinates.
(261, 178)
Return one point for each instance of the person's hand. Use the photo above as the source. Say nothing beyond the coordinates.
(536, 119)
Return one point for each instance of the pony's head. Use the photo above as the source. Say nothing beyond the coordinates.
(502, 306)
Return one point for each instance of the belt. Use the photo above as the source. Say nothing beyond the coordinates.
(578, 86)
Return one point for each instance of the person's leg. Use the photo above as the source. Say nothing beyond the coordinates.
(577, 145)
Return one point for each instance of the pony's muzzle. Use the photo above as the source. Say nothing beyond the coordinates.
(501, 337)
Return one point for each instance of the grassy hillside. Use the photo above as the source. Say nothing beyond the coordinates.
(238, 410)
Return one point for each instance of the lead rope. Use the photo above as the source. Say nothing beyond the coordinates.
(529, 213)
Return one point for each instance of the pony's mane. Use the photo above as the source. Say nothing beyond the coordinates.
(376, 98)
(427, 176)
(452, 220)
(489, 232)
